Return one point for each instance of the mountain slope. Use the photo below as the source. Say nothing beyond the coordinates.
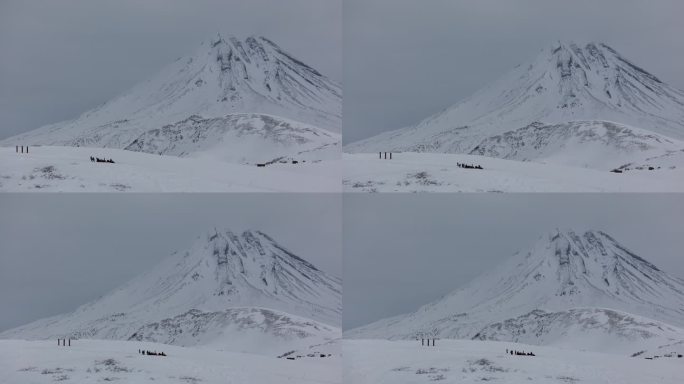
(224, 76)
(584, 328)
(225, 283)
(240, 138)
(590, 144)
(564, 83)
(563, 271)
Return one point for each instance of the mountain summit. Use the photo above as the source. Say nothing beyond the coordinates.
(224, 76)
(565, 275)
(565, 83)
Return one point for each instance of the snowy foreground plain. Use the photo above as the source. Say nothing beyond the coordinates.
(465, 361)
(438, 172)
(90, 361)
(69, 169)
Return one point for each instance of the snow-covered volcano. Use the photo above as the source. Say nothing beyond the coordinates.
(225, 76)
(565, 83)
(563, 272)
(226, 285)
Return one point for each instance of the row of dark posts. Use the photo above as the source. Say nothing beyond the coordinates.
(422, 342)
(17, 148)
(64, 342)
(380, 153)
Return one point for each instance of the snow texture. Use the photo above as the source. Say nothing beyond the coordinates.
(68, 169)
(466, 361)
(91, 361)
(438, 172)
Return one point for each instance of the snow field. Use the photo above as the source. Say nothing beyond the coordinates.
(88, 361)
(69, 169)
(465, 361)
(438, 172)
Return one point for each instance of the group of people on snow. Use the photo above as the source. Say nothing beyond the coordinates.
(519, 353)
(150, 353)
(468, 166)
(98, 160)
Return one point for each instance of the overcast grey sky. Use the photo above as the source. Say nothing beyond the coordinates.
(59, 251)
(61, 58)
(405, 60)
(403, 250)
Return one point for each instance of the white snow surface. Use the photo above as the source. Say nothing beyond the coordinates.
(69, 169)
(224, 76)
(438, 172)
(466, 361)
(90, 361)
(241, 292)
(570, 289)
